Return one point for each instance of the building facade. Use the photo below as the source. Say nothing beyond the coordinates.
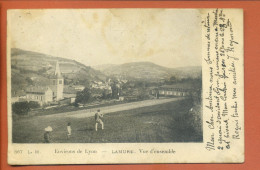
(41, 95)
(176, 90)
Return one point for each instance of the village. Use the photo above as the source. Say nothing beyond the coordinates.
(57, 94)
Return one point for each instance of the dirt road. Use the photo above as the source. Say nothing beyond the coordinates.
(114, 108)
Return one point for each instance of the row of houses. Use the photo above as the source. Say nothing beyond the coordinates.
(101, 85)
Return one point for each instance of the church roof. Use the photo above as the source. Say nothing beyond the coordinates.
(53, 76)
(57, 74)
(186, 86)
(37, 89)
(53, 88)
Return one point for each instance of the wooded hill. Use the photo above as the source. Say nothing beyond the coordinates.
(149, 71)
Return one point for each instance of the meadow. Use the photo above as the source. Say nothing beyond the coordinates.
(167, 122)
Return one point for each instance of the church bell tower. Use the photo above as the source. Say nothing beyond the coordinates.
(57, 83)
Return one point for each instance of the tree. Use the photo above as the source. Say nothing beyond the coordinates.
(22, 108)
(106, 94)
(173, 79)
(142, 94)
(115, 90)
(83, 96)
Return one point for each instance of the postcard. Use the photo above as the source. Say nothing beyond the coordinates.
(130, 85)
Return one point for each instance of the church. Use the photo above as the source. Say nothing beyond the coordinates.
(46, 94)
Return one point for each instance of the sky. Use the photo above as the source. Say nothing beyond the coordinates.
(167, 37)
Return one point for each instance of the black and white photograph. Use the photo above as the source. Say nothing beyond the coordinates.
(114, 83)
(125, 81)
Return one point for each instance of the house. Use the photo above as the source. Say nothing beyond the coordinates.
(39, 94)
(180, 89)
(100, 85)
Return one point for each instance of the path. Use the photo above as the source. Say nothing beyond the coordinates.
(115, 108)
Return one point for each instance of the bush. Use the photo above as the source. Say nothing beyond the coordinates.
(83, 96)
(33, 105)
(22, 108)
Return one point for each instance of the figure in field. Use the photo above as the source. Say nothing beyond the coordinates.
(98, 120)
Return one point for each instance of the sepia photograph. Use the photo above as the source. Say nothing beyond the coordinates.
(125, 85)
(103, 77)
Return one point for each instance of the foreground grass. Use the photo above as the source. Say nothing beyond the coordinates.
(169, 122)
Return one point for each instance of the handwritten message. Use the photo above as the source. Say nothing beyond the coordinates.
(223, 123)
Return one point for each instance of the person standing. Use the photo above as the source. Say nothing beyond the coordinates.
(47, 134)
(68, 130)
(98, 120)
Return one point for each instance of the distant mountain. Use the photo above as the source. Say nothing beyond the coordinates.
(149, 71)
(33, 68)
(103, 67)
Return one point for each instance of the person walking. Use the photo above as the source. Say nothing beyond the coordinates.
(98, 120)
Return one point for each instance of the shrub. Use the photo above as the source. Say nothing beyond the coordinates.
(83, 96)
(33, 105)
(22, 108)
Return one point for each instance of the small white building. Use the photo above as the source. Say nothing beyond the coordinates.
(39, 94)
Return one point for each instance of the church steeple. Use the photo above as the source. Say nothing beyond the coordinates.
(57, 83)
(57, 71)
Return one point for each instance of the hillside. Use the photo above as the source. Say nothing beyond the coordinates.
(149, 71)
(32, 68)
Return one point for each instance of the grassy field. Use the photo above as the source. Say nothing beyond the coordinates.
(168, 122)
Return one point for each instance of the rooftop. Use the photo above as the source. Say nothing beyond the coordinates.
(37, 89)
(181, 86)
